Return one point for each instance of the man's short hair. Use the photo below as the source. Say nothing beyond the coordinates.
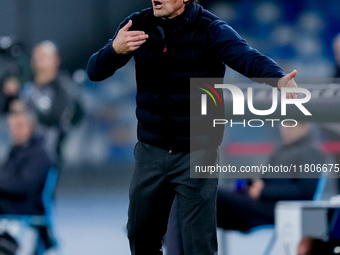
(49, 45)
(192, 2)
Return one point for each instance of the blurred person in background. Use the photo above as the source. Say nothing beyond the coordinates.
(253, 206)
(172, 42)
(52, 95)
(23, 174)
(332, 129)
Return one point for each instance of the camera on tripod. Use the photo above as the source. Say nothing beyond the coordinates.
(13, 64)
(10, 53)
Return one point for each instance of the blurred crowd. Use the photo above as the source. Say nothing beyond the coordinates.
(52, 96)
(297, 34)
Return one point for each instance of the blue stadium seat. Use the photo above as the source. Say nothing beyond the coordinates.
(45, 221)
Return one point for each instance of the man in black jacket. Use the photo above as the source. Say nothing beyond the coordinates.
(23, 175)
(171, 42)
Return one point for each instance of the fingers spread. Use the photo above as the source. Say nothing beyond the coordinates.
(127, 41)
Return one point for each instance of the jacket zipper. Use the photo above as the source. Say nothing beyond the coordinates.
(165, 49)
(161, 30)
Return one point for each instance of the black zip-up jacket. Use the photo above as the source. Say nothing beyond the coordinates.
(193, 44)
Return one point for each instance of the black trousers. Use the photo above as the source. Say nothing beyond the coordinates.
(159, 176)
(235, 211)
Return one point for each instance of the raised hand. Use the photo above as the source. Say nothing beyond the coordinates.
(288, 82)
(127, 41)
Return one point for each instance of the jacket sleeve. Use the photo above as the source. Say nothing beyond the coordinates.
(106, 61)
(238, 55)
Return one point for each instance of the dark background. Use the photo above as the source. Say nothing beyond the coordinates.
(80, 27)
